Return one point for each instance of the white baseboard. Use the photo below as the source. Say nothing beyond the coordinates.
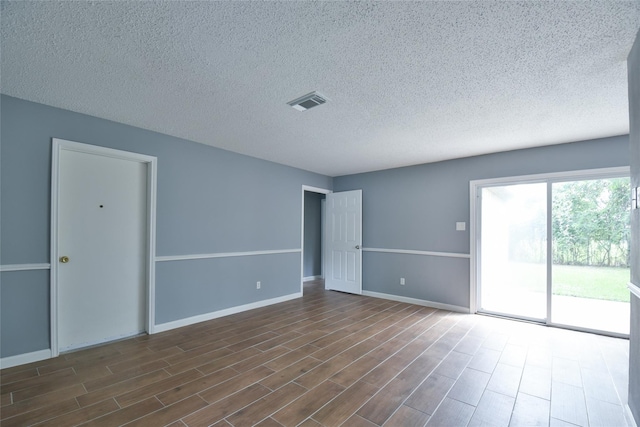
(220, 313)
(417, 301)
(310, 278)
(23, 359)
(630, 416)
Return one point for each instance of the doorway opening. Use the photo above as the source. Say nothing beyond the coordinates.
(554, 249)
(312, 259)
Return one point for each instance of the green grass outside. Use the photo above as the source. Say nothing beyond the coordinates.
(606, 283)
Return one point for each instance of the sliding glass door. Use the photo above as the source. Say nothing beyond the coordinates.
(555, 250)
(590, 269)
(514, 250)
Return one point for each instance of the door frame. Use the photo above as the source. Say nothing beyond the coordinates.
(475, 188)
(58, 145)
(312, 190)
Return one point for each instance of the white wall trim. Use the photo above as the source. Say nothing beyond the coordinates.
(224, 255)
(474, 244)
(58, 145)
(635, 289)
(310, 278)
(25, 267)
(316, 190)
(23, 359)
(416, 301)
(556, 176)
(413, 252)
(225, 312)
(152, 196)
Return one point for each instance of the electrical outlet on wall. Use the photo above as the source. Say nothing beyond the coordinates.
(258, 285)
(402, 281)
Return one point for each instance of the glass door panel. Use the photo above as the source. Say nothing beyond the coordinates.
(513, 247)
(590, 241)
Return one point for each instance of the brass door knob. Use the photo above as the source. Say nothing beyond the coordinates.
(64, 259)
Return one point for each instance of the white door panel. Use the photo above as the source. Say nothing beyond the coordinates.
(101, 228)
(344, 225)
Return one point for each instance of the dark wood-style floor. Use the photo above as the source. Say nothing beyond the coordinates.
(331, 359)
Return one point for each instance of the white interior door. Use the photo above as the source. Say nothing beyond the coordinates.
(343, 253)
(102, 211)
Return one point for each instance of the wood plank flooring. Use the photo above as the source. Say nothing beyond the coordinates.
(330, 359)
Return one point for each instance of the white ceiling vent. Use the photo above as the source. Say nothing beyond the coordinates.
(307, 101)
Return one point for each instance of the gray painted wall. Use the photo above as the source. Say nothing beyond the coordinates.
(633, 64)
(209, 201)
(218, 283)
(24, 311)
(312, 259)
(417, 207)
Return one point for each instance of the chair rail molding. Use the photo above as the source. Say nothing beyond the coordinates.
(25, 267)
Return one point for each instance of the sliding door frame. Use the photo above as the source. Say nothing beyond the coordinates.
(475, 190)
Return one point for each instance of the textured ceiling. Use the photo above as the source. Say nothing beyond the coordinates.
(408, 82)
